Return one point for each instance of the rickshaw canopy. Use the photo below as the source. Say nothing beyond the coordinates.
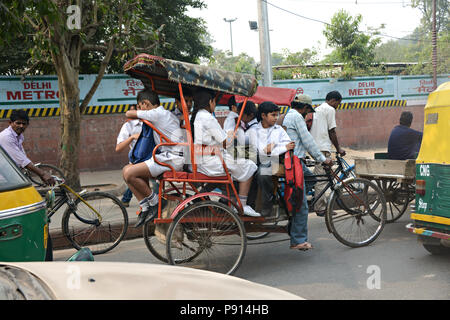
(163, 75)
(435, 147)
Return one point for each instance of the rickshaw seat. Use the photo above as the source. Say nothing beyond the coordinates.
(190, 175)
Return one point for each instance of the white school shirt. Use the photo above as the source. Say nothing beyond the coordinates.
(265, 136)
(207, 131)
(230, 121)
(324, 119)
(128, 129)
(168, 124)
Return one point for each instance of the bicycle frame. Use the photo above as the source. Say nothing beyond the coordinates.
(63, 198)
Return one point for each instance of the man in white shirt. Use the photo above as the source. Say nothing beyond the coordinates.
(323, 130)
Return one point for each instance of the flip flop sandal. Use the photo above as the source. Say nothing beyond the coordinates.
(303, 246)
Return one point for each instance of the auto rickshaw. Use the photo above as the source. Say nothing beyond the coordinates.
(23, 215)
(431, 213)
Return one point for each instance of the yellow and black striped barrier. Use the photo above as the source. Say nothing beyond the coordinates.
(362, 105)
(122, 108)
(91, 110)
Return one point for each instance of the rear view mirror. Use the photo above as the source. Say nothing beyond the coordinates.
(84, 254)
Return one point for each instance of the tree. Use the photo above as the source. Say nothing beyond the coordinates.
(241, 63)
(59, 31)
(352, 47)
(442, 14)
(416, 47)
(299, 59)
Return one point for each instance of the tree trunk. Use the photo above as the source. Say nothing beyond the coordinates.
(70, 134)
(67, 68)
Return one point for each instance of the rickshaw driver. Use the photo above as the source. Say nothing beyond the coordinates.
(137, 176)
(295, 125)
(11, 139)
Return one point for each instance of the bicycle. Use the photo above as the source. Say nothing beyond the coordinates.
(96, 220)
(347, 171)
(356, 210)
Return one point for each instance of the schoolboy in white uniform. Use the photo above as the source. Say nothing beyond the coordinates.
(128, 135)
(271, 141)
(207, 131)
(137, 175)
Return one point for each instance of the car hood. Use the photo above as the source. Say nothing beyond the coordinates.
(140, 281)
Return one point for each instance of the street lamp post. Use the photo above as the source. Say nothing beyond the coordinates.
(231, 32)
(264, 44)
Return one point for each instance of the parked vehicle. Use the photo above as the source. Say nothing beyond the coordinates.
(23, 215)
(431, 213)
(125, 281)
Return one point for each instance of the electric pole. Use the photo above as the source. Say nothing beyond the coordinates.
(231, 32)
(433, 44)
(264, 44)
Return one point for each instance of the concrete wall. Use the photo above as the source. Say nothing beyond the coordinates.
(98, 140)
(356, 128)
(370, 128)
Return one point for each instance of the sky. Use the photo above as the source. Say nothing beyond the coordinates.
(295, 33)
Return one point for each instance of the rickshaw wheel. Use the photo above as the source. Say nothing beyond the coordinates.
(356, 212)
(207, 235)
(155, 237)
(397, 198)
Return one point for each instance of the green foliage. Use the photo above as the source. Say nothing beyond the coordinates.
(442, 14)
(300, 59)
(352, 47)
(241, 63)
(162, 27)
(183, 38)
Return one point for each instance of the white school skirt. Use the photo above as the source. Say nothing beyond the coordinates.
(240, 169)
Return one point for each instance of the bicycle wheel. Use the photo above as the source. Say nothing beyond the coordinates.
(397, 198)
(83, 228)
(356, 212)
(207, 235)
(52, 170)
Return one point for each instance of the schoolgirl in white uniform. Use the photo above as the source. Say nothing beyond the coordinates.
(206, 130)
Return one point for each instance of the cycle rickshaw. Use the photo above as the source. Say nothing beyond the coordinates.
(204, 228)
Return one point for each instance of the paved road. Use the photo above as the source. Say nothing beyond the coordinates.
(332, 271)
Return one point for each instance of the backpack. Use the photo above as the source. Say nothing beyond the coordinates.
(293, 192)
(143, 148)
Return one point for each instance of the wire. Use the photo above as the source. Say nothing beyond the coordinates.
(328, 24)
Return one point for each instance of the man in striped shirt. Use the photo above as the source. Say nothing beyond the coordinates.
(295, 125)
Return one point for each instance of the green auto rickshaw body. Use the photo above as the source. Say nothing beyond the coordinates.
(431, 213)
(23, 216)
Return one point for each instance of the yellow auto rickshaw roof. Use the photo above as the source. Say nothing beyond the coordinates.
(435, 147)
(439, 97)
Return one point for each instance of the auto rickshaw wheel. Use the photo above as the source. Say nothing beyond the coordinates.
(207, 235)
